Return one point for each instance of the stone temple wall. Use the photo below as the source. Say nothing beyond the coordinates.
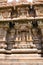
(21, 34)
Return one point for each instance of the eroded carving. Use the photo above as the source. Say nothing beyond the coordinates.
(36, 38)
(39, 11)
(23, 11)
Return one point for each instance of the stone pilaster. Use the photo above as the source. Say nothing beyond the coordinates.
(3, 34)
(41, 27)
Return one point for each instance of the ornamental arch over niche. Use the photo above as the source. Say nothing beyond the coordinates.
(20, 34)
(22, 29)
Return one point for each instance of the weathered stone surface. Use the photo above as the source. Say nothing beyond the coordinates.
(21, 32)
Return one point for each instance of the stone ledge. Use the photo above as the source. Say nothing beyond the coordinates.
(23, 18)
(21, 56)
(19, 51)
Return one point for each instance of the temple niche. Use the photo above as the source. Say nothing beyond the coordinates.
(21, 32)
(36, 37)
(23, 11)
(40, 24)
(20, 37)
(6, 14)
(10, 38)
(3, 33)
(39, 10)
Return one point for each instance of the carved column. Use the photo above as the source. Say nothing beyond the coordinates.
(16, 39)
(27, 36)
(41, 26)
(31, 39)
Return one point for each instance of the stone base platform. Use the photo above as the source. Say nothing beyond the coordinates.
(21, 59)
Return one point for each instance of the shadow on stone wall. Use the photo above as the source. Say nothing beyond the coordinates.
(42, 49)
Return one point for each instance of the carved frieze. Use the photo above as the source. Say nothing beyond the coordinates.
(22, 25)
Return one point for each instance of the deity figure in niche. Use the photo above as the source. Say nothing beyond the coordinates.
(23, 12)
(36, 38)
(23, 36)
(34, 32)
(12, 33)
(3, 38)
(10, 39)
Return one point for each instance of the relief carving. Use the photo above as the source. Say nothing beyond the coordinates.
(6, 14)
(40, 24)
(1, 17)
(36, 38)
(3, 33)
(39, 11)
(23, 37)
(23, 12)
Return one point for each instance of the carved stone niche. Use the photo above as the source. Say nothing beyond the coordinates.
(3, 33)
(36, 38)
(40, 24)
(23, 36)
(6, 14)
(23, 11)
(10, 38)
(14, 14)
(39, 10)
(12, 33)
